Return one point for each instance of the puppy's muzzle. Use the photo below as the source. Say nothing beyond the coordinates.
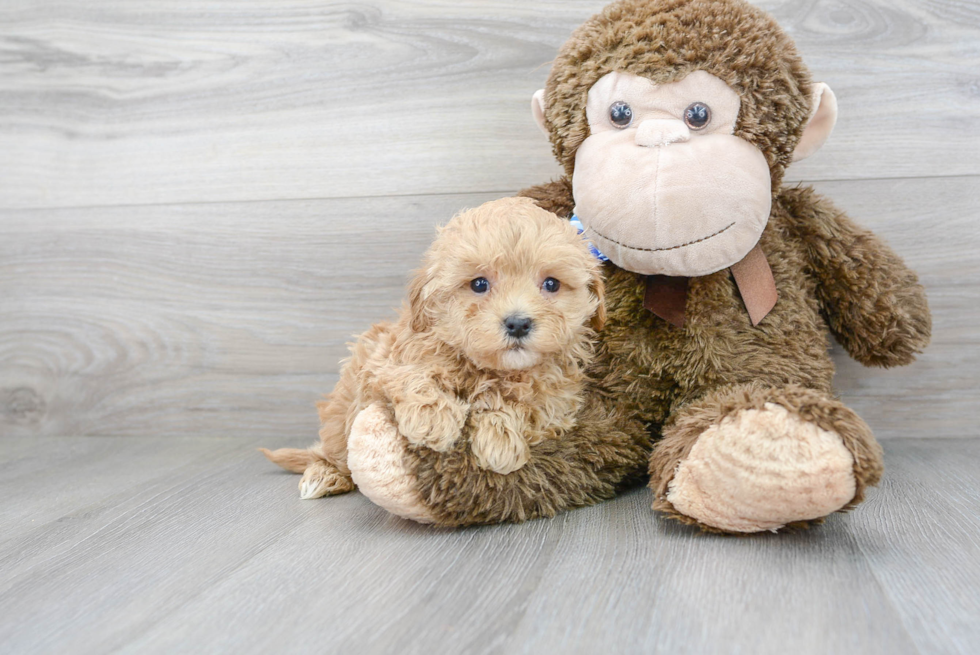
(518, 327)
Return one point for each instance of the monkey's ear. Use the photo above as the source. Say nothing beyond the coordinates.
(537, 110)
(823, 116)
(418, 300)
(598, 288)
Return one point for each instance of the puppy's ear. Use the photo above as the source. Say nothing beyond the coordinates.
(598, 289)
(418, 304)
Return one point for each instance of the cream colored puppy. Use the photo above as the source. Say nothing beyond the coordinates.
(493, 343)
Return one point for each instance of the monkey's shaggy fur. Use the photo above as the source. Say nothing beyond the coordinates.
(655, 388)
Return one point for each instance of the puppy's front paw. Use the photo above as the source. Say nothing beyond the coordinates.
(434, 425)
(497, 444)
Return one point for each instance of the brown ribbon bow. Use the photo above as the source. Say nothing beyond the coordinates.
(666, 296)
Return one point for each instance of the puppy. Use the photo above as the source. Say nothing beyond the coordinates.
(493, 343)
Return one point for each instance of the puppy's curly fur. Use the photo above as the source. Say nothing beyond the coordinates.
(503, 358)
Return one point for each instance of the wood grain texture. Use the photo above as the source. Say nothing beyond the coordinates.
(921, 533)
(112, 103)
(230, 319)
(211, 549)
(170, 320)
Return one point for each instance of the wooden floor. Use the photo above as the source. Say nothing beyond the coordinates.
(201, 200)
(141, 545)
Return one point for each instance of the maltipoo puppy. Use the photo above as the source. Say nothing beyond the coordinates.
(493, 344)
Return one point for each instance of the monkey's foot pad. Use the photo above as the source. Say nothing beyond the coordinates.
(761, 469)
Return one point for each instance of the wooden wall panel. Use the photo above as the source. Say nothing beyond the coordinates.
(114, 102)
(230, 318)
(208, 318)
(199, 206)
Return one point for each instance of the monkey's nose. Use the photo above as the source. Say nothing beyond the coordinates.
(517, 327)
(661, 132)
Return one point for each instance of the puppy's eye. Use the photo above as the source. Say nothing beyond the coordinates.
(697, 116)
(551, 285)
(480, 285)
(620, 114)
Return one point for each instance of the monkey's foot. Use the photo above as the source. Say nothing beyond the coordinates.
(323, 479)
(375, 455)
(761, 469)
(739, 463)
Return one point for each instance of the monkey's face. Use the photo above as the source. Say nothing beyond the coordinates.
(662, 184)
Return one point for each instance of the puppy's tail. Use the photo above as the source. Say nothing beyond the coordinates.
(291, 459)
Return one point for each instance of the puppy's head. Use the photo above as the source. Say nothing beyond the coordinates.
(509, 285)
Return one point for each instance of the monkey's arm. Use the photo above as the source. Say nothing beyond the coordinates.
(605, 452)
(555, 196)
(873, 303)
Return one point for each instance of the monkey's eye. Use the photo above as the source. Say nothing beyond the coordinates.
(697, 116)
(480, 285)
(620, 114)
(551, 285)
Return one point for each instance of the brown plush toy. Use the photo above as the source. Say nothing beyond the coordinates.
(675, 121)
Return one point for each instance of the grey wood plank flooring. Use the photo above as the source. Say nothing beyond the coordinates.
(922, 533)
(111, 103)
(231, 318)
(198, 544)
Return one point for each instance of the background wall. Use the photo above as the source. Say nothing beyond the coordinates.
(201, 201)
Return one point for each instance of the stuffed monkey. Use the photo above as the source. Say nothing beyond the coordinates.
(674, 121)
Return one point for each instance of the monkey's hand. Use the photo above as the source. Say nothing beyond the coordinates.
(607, 450)
(431, 417)
(873, 303)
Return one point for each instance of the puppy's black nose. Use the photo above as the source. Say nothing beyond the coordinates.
(517, 326)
